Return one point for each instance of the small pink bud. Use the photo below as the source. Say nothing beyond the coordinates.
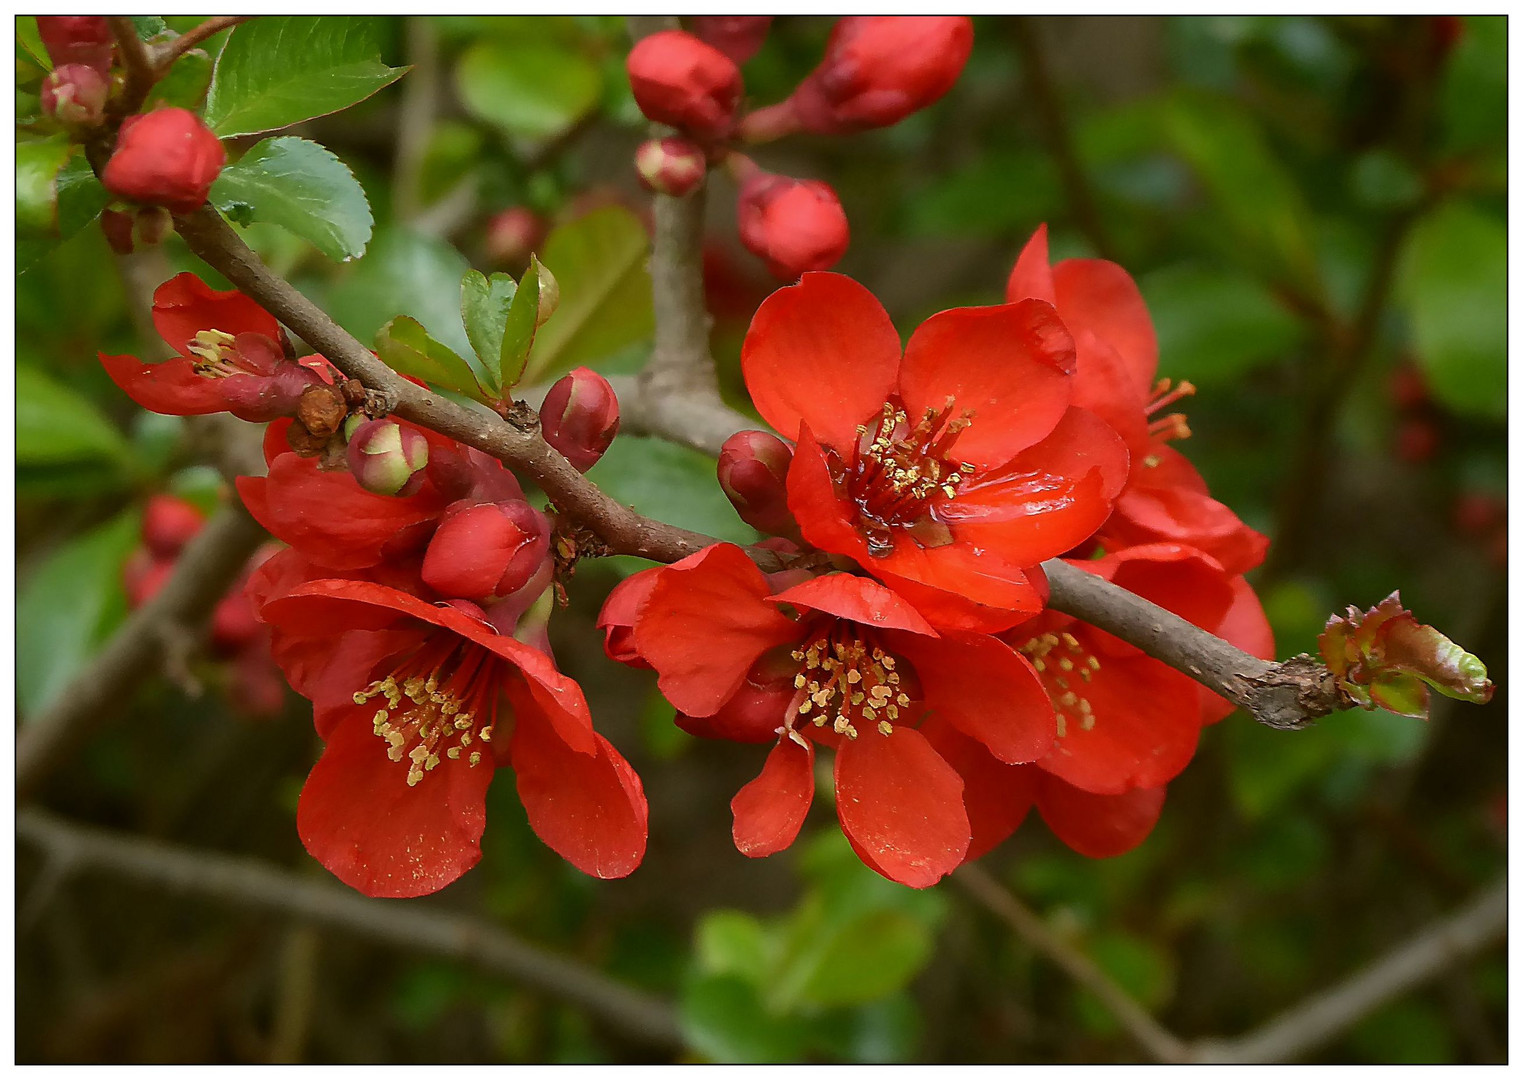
(791, 225)
(580, 417)
(77, 39)
(737, 36)
(753, 471)
(670, 166)
(169, 523)
(387, 458)
(76, 95)
(167, 157)
(512, 234)
(681, 81)
(487, 550)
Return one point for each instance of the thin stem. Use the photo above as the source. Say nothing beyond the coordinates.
(137, 62)
(171, 51)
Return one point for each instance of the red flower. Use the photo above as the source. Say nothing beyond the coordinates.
(230, 358)
(1165, 499)
(737, 36)
(408, 698)
(946, 470)
(878, 69)
(167, 157)
(841, 661)
(679, 80)
(791, 225)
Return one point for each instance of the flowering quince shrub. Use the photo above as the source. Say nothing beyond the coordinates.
(978, 581)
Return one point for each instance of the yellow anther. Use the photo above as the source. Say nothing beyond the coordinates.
(475, 757)
(885, 727)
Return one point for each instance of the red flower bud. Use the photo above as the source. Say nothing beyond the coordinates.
(118, 229)
(512, 234)
(77, 39)
(76, 95)
(737, 36)
(387, 458)
(164, 158)
(670, 166)
(169, 523)
(580, 417)
(143, 575)
(125, 231)
(486, 550)
(792, 225)
(678, 80)
(234, 623)
(878, 69)
(753, 471)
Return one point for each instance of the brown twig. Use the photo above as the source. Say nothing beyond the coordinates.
(137, 64)
(245, 882)
(170, 51)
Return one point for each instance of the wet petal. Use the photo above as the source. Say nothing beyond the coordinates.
(770, 810)
(1098, 297)
(858, 599)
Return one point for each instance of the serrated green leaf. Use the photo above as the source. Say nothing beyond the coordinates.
(278, 70)
(599, 261)
(518, 331)
(530, 89)
(484, 306)
(56, 426)
(1454, 283)
(303, 187)
(69, 606)
(406, 348)
(185, 84)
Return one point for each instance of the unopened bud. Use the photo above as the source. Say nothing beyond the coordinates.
(75, 95)
(791, 225)
(737, 36)
(670, 166)
(681, 81)
(169, 523)
(753, 471)
(143, 575)
(580, 417)
(167, 157)
(118, 228)
(878, 69)
(125, 230)
(549, 296)
(386, 458)
(488, 550)
(77, 39)
(513, 234)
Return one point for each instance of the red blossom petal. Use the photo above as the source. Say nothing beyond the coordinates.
(1098, 826)
(1011, 365)
(1185, 581)
(172, 387)
(620, 612)
(1027, 518)
(358, 817)
(822, 352)
(986, 690)
(330, 676)
(705, 624)
(902, 804)
(1032, 275)
(770, 810)
(859, 599)
(963, 568)
(1098, 297)
(185, 305)
(952, 611)
(825, 519)
(997, 796)
(1169, 502)
(587, 807)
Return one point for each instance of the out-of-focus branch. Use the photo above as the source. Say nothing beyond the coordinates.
(247, 883)
(1295, 1033)
(203, 573)
(415, 116)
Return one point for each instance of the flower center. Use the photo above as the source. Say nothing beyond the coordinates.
(1062, 661)
(846, 682)
(1172, 426)
(220, 354)
(900, 471)
(439, 703)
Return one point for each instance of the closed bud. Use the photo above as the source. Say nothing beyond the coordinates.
(143, 575)
(753, 471)
(791, 225)
(387, 458)
(168, 525)
(878, 69)
(488, 550)
(164, 158)
(681, 81)
(670, 166)
(737, 36)
(77, 39)
(549, 296)
(118, 227)
(513, 234)
(580, 417)
(75, 95)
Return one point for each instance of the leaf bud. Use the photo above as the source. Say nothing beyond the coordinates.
(580, 417)
(549, 296)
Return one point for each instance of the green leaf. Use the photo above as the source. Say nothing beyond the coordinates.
(723, 1019)
(406, 348)
(54, 425)
(863, 960)
(732, 943)
(1473, 98)
(149, 27)
(278, 70)
(518, 332)
(69, 607)
(1215, 323)
(1140, 966)
(671, 483)
(1454, 283)
(186, 83)
(405, 273)
(484, 306)
(302, 187)
(530, 89)
(599, 261)
(38, 163)
(29, 46)
(78, 200)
